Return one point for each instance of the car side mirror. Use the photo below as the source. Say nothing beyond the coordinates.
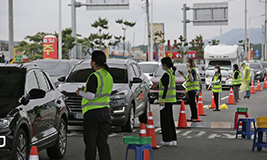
(61, 79)
(151, 74)
(36, 93)
(203, 68)
(136, 80)
(24, 100)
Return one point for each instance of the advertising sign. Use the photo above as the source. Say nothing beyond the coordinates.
(50, 47)
(18, 56)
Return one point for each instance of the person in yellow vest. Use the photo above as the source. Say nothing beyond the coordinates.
(192, 86)
(246, 80)
(236, 81)
(167, 96)
(95, 108)
(217, 87)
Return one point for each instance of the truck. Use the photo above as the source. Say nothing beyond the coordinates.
(225, 56)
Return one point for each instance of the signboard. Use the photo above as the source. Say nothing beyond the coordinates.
(206, 14)
(18, 56)
(50, 47)
(161, 51)
(117, 51)
(107, 4)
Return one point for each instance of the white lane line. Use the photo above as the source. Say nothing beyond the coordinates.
(228, 96)
(157, 129)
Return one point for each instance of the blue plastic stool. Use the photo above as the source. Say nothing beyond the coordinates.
(139, 150)
(246, 127)
(260, 143)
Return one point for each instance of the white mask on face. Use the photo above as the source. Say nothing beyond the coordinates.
(216, 70)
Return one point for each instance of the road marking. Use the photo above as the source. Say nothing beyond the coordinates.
(228, 96)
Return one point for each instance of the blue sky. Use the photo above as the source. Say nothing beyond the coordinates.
(32, 16)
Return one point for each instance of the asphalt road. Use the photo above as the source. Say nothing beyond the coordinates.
(214, 138)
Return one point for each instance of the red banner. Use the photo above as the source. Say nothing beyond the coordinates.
(50, 47)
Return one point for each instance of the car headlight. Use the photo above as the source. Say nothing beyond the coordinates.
(258, 72)
(4, 122)
(119, 95)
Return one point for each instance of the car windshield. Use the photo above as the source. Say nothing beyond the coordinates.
(80, 74)
(148, 68)
(11, 83)
(255, 66)
(54, 68)
(181, 67)
(224, 65)
(264, 65)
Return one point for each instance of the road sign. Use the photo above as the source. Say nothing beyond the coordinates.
(107, 4)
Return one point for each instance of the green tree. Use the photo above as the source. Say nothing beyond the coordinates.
(214, 42)
(197, 45)
(34, 49)
(125, 25)
(100, 39)
(182, 46)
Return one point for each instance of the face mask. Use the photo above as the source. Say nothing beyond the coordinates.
(163, 67)
(216, 70)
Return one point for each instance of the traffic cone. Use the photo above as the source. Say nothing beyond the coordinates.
(182, 123)
(197, 120)
(34, 153)
(231, 97)
(265, 83)
(213, 105)
(143, 134)
(151, 131)
(200, 105)
(252, 90)
(259, 86)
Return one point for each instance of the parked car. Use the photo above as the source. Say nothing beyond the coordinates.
(258, 70)
(33, 112)
(148, 68)
(179, 80)
(56, 68)
(129, 97)
(201, 71)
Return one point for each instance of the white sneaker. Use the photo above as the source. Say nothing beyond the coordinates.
(166, 143)
(174, 143)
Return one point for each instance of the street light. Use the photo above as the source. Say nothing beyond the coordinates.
(249, 32)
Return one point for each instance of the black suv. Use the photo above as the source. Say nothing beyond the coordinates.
(129, 97)
(33, 112)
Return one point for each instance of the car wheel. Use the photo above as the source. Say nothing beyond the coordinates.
(143, 118)
(21, 147)
(130, 122)
(58, 151)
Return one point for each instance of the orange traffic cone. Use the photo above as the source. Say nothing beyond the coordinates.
(34, 153)
(200, 105)
(259, 86)
(265, 83)
(213, 105)
(252, 90)
(143, 134)
(151, 131)
(231, 97)
(197, 120)
(182, 123)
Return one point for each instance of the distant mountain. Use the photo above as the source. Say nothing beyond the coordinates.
(6, 42)
(234, 35)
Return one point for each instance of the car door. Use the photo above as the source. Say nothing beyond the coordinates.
(49, 107)
(138, 90)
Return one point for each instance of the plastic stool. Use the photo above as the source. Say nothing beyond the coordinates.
(139, 150)
(259, 144)
(236, 117)
(246, 127)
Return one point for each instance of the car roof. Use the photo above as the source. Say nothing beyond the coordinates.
(149, 62)
(56, 60)
(26, 66)
(112, 61)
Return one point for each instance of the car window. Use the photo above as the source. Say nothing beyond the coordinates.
(119, 75)
(131, 72)
(31, 82)
(148, 68)
(224, 65)
(42, 81)
(264, 65)
(54, 68)
(255, 66)
(80, 75)
(136, 70)
(11, 83)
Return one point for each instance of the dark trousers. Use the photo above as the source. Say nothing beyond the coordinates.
(192, 104)
(236, 92)
(167, 123)
(217, 99)
(95, 134)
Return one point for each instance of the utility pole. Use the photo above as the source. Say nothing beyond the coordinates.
(11, 30)
(148, 32)
(185, 21)
(262, 41)
(59, 33)
(152, 32)
(265, 37)
(246, 52)
(73, 26)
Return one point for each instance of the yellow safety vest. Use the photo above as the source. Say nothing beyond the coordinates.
(217, 87)
(192, 85)
(171, 93)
